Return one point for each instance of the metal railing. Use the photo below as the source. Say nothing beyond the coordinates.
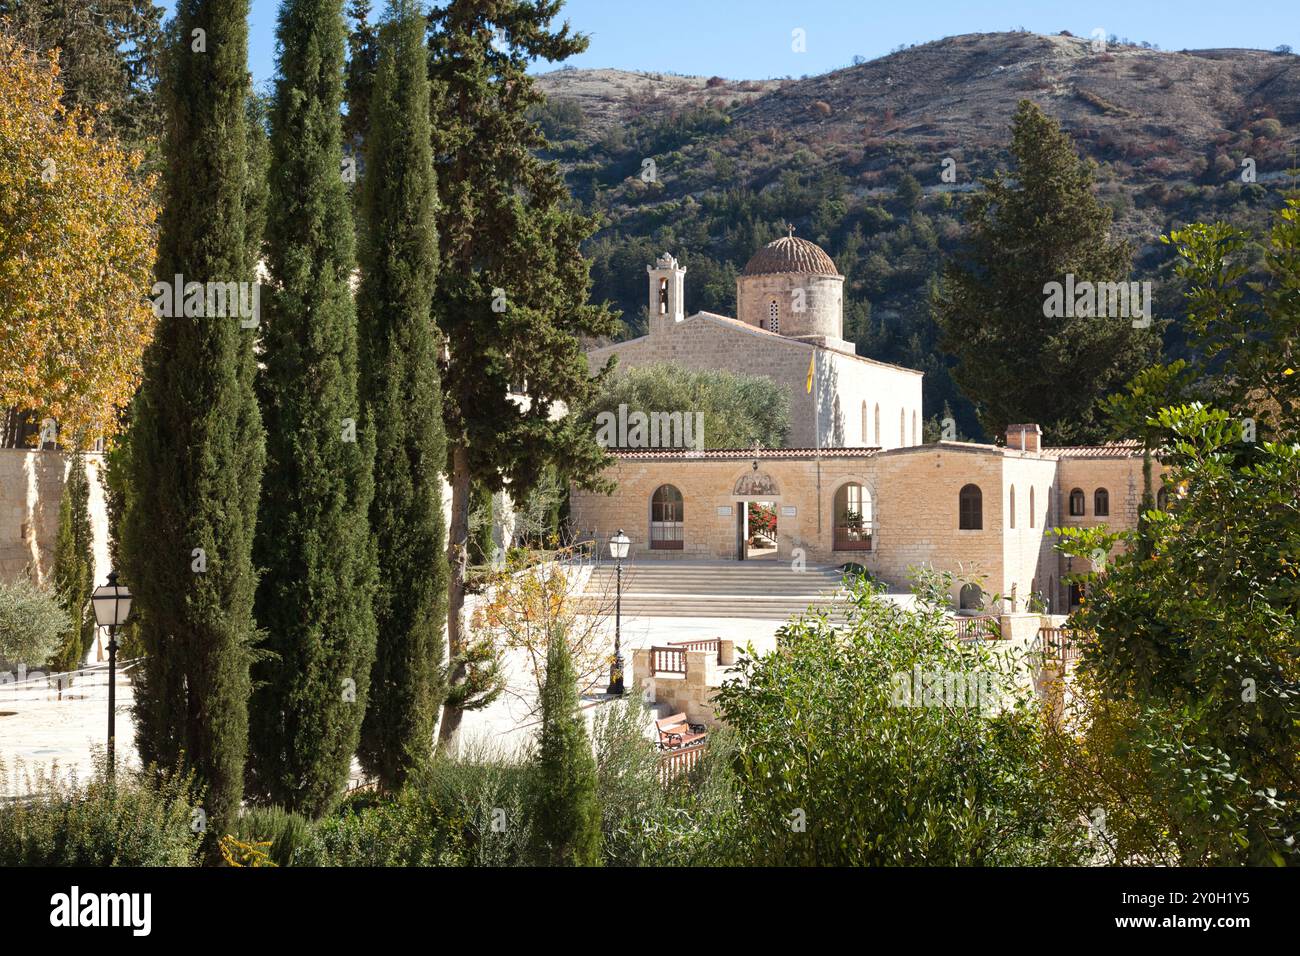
(852, 537)
(666, 535)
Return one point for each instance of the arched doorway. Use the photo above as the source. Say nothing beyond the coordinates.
(853, 518)
(666, 519)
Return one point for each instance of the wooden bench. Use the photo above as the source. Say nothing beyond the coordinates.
(677, 731)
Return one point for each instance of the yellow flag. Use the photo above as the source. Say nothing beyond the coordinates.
(811, 359)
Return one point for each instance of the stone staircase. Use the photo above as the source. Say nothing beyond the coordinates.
(764, 589)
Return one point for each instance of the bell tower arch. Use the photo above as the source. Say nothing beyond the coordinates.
(667, 303)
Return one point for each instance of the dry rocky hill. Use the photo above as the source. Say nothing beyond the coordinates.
(838, 155)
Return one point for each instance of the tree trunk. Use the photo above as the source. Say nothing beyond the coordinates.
(458, 566)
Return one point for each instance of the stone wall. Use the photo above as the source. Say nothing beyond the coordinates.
(690, 694)
(708, 342)
(821, 297)
(31, 487)
(913, 494)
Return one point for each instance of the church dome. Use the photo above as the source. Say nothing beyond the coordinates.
(790, 255)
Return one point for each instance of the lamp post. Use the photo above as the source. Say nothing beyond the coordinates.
(112, 604)
(618, 546)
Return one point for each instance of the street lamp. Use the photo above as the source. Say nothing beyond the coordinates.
(618, 546)
(112, 604)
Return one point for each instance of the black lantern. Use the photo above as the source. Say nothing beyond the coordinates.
(618, 546)
(112, 604)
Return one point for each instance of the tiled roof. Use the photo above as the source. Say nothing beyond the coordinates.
(1129, 448)
(738, 454)
(790, 255)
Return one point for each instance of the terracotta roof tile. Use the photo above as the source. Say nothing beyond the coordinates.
(1129, 448)
(737, 454)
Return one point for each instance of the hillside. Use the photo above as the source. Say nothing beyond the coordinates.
(854, 159)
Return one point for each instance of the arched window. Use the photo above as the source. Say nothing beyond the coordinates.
(1011, 512)
(1031, 506)
(902, 428)
(1049, 520)
(879, 440)
(1162, 498)
(666, 514)
(1076, 503)
(837, 423)
(663, 296)
(914, 441)
(852, 518)
(865, 437)
(970, 509)
(1101, 503)
(774, 316)
(971, 597)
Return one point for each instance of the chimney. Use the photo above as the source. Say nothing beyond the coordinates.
(1024, 437)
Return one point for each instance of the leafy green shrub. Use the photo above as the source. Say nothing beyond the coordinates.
(736, 409)
(457, 811)
(404, 831)
(136, 819)
(32, 623)
(291, 835)
(627, 778)
(832, 769)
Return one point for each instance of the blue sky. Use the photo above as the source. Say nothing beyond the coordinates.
(751, 39)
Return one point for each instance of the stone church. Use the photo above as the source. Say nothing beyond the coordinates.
(856, 484)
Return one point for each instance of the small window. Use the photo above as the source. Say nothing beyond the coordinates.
(914, 441)
(663, 296)
(971, 597)
(1101, 503)
(1031, 506)
(1076, 503)
(902, 428)
(774, 316)
(879, 439)
(865, 437)
(970, 509)
(1011, 512)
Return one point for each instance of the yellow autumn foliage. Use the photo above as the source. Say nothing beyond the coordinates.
(77, 247)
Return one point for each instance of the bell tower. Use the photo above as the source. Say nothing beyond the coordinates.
(667, 303)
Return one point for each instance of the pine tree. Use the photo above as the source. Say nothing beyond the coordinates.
(1015, 363)
(402, 399)
(108, 54)
(566, 811)
(196, 434)
(313, 533)
(74, 567)
(513, 284)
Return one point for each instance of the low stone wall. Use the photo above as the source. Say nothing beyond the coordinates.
(693, 693)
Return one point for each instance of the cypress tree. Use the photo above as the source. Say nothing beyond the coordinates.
(513, 284)
(74, 567)
(313, 532)
(401, 392)
(566, 812)
(1015, 363)
(196, 434)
